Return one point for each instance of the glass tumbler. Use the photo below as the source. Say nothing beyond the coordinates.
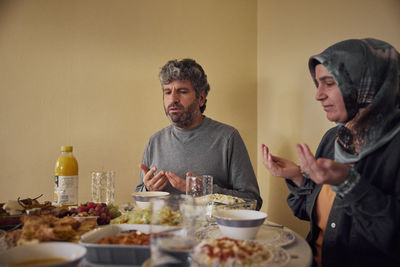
(172, 231)
(198, 186)
(103, 186)
(202, 188)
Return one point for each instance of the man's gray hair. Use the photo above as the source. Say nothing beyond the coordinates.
(183, 70)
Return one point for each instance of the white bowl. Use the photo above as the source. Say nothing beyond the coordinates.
(142, 199)
(44, 254)
(240, 224)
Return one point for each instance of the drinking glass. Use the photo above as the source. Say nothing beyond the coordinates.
(202, 188)
(199, 185)
(173, 223)
(103, 186)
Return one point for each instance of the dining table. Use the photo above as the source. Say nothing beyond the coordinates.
(296, 249)
(289, 247)
(300, 252)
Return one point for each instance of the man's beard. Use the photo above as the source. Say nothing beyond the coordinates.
(183, 119)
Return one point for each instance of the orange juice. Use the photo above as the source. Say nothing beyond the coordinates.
(66, 178)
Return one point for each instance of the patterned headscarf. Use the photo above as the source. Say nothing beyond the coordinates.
(367, 73)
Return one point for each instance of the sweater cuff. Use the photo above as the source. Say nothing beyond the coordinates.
(342, 189)
(305, 187)
(143, 189)
(358, 192)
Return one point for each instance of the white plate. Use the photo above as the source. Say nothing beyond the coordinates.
(279, 257)
(268, 235)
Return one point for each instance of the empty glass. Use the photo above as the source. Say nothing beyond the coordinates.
(103, 186)
(202, 188)
(198, 186)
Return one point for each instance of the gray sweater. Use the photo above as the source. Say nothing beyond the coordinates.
(212, 148)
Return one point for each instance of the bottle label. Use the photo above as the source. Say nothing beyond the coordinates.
(66, 190)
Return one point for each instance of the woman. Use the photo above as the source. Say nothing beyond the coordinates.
(350, 190)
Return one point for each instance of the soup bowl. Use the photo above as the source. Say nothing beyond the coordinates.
(54, 254)
(240, 224)
(142, 199)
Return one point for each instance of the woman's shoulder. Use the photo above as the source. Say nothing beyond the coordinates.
(326, 146)
(331, 133)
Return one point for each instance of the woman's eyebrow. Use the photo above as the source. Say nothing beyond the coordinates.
(324, 78)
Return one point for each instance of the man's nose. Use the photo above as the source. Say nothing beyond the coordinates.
(174, 97)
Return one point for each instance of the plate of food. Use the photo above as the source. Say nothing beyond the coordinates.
(12, 211)
(226, 252)
(222, 199)
(43, 228)
(143, 216)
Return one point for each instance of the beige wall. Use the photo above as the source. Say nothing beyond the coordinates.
(289, 32)
(85, 73)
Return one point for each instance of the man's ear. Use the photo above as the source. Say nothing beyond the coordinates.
(202, 98)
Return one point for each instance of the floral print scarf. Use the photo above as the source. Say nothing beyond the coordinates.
(367, 73)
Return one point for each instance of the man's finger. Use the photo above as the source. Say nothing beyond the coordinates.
(161, 183)
(171, 178)
(159, 174)
(190, 174)
(158, 181)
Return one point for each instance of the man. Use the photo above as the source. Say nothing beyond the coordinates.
(194, 144)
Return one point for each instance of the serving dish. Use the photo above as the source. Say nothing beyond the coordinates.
(3, 244)
(117, 254)
(8, 222)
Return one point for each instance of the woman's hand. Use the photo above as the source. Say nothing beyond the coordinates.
(281, 167)
(153, 182)
(321, 171)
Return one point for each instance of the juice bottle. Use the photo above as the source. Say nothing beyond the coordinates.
(66, 178)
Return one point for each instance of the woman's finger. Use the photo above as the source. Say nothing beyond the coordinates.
(308, 155)
(308, 164)
(302, 160)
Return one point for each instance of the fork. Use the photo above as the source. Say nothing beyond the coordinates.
(274, 225)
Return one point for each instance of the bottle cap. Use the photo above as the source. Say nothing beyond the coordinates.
(66, 148)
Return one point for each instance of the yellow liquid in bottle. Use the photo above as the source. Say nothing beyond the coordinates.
(66, 179)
